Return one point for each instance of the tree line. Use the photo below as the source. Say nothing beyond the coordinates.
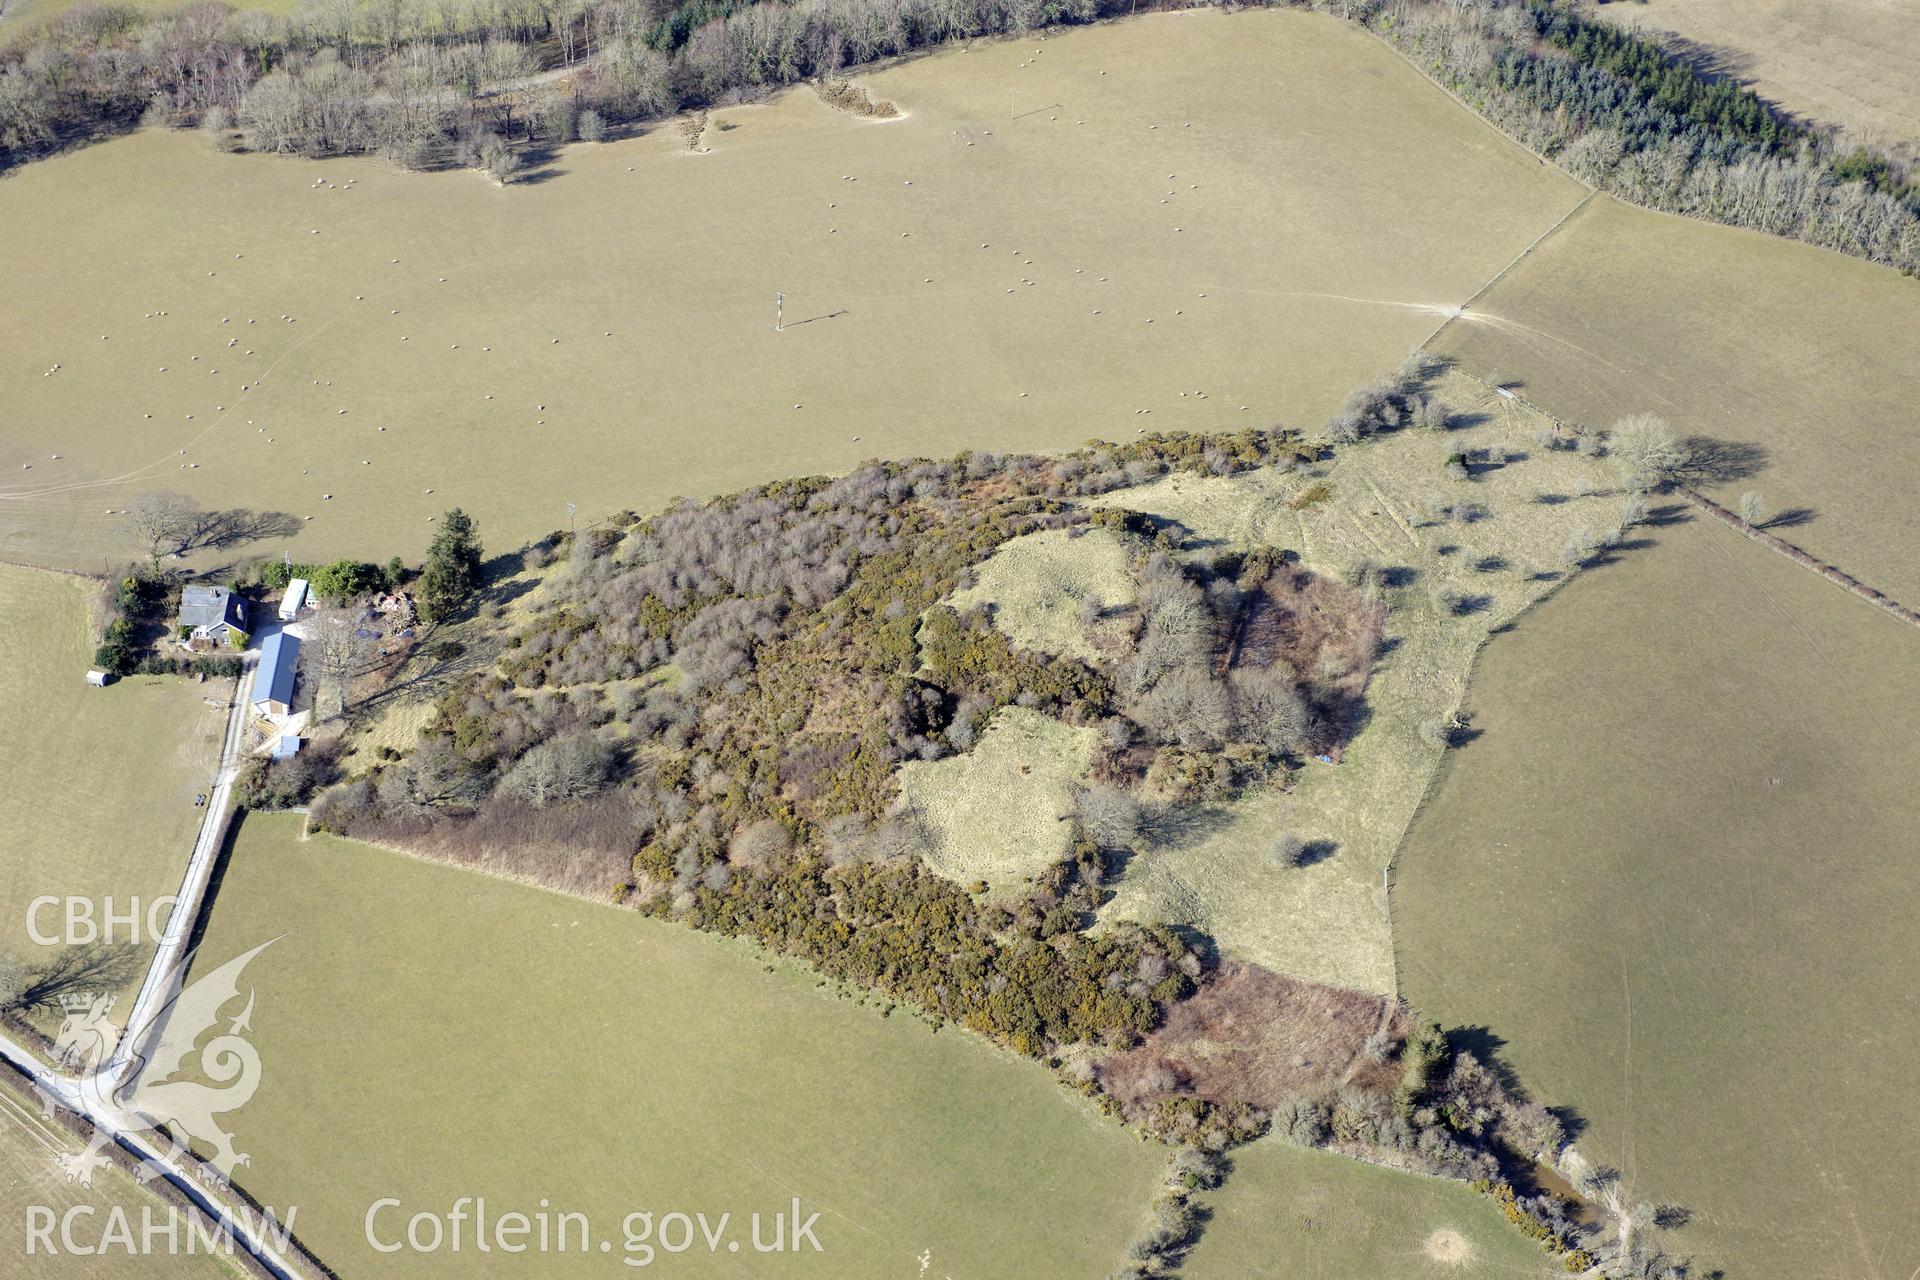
(434, 82)
(1631, 117)
(429, 82)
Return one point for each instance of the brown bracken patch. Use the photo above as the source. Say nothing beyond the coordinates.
(1259, 1037)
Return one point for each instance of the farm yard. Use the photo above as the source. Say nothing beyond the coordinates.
(1671, 880)
(1017, 263)
(698, 1077)
(101, 782)
(1846, 62)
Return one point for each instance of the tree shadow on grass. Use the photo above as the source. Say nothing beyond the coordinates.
(1183, 826)
(221, 530)
(1486, 1044)
(1791, 518)
(1393, 577)
(1614, 554)
(1710, 461)
(538, 164)
(88, 969)
(437, 661)
(1314, 852)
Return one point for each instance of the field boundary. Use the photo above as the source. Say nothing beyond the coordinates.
(1457, 100)
(20, 1087)
(1721, 515)
(1546, 159)
(1502, 273)
(1389, 872)
(1773, 542)
(1832, 573)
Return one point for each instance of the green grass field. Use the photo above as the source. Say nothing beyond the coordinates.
(1018, 263)
(99, 800)
(1289, 1214)
(428, 1034)
(1674, 875)
(1739, 337)
(30, 1179)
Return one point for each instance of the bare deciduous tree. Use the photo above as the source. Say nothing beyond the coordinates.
(1646, 451)
(162, 522)
(1269, 709)
(1751, 508)
(759, 845)
(564, 768)
(337, 651)
(1110, 815)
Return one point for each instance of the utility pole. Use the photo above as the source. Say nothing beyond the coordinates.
(571, 508)
(779, 312)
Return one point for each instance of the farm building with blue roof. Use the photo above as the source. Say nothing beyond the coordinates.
(273, 681)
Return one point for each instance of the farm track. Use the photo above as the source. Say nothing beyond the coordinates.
(172, 954)
(116, 1077)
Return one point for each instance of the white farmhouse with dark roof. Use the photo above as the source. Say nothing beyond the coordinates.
(212, 613)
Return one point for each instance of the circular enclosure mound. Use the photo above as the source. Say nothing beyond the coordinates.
(1449, 1246)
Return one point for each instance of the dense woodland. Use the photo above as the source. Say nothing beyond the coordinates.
(477, 82)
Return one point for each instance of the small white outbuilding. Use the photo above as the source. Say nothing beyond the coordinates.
(294, 600)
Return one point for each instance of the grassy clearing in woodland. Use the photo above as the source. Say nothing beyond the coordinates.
(697, 1077)
(1453, 559)
(1049, 590)
(1673, 875)
(339, 339)
(1000, 812)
